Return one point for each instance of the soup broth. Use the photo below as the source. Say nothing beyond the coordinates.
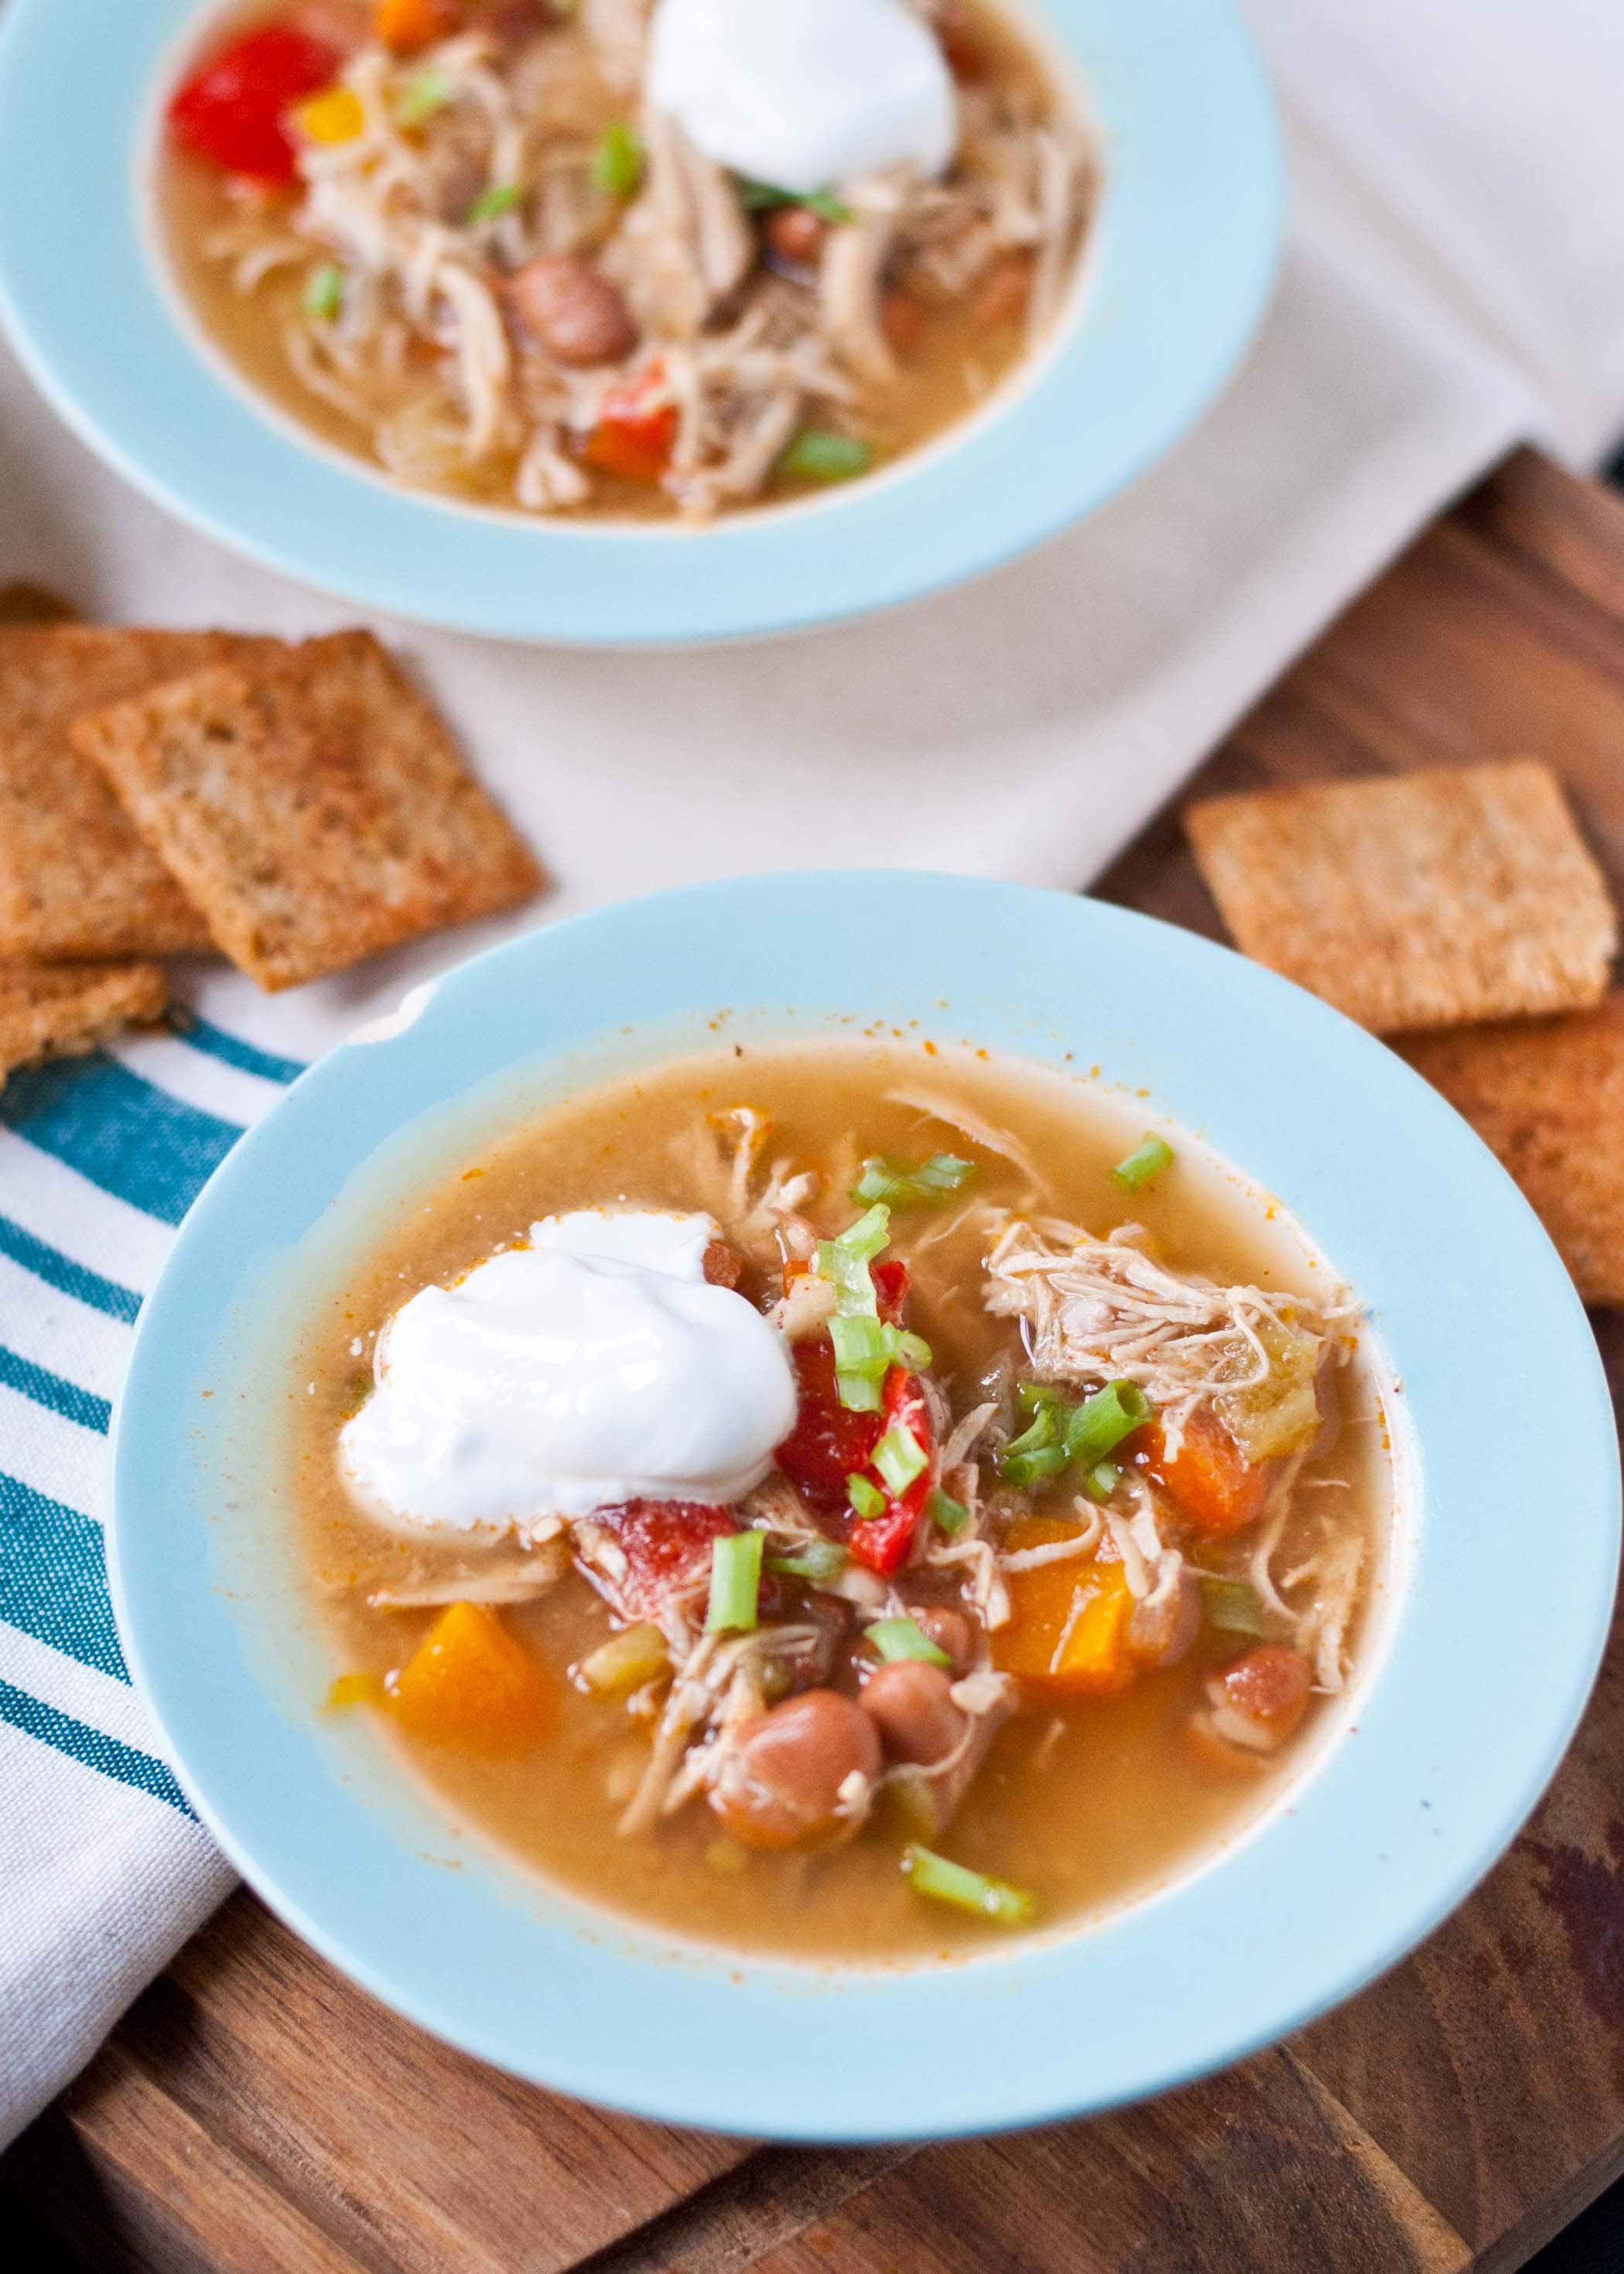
(1098, 1784)
(493, 270)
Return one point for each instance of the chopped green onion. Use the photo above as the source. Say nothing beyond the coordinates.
(943, 1882)
(1099, 1425)
(1041, 1397)
(1102, 1480)
(947, 1514)
(898, 1639)
(900, 1457)
(495, 202)
(902, 1184)
(617, 163)
(844, 1264)
(423, 94)
(735, 1581)
(1039, 1439)
(912, 1351)
(869, 1501)
(1024, 1469)
(1143, 1165)
(861, 1344)
(1231, 1605)
(819, 455)
(761, 197)
(324, 293)
(815, 1561)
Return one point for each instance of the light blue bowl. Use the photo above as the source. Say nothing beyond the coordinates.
(1182, 261)
(1455, 1733)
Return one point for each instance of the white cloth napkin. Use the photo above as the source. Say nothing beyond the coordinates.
(1454, 281)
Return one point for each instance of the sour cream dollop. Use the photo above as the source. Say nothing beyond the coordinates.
(804, 94)
(594, 1365)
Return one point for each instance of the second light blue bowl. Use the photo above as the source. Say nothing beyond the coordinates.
(1181, 263)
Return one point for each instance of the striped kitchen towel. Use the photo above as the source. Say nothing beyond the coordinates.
(105, 1872)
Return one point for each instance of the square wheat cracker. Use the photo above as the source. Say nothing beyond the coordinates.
(1415, 900)
(58, 1010)
(1546, 1096)
(316, 810)
(75, 877)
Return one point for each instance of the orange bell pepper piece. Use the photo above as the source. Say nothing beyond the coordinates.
(470, 1684)
(1067, 1634)
(1216, 1488)
(407, 24)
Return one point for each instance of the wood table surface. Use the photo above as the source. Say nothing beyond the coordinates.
(255, 2114)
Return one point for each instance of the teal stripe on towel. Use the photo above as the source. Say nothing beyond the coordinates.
(232, 1051)
(61, 1272)
(53, 1577)
(130, 1138)
(50, 1389)
(93, 1747)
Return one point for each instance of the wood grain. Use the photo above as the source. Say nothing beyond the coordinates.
(255, 2112)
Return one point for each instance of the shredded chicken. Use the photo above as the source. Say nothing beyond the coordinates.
(511, 1579)
(854, 272)
(432, 214)
(1092, 1309)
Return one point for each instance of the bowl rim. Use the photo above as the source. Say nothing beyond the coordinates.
(1181, 268)
(1389, 1832)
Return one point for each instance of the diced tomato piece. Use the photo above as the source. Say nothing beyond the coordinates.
(1215, 1487)
(890, 1290)
(631, 439)
(883, 1543)
(827, 1442)
(666, 1544)
(231, 109)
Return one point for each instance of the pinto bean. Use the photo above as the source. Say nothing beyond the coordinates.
(796, 233)
(902, 320)
(724, 1266)
(787, 1780)
(966, 51)
(1268, 1687)
(950, 1629)
(1003, 298)
(574, 313)
(911, 1706)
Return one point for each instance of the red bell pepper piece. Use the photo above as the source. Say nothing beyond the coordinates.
(231, 109)
(883, 1543)
(631, 439)
(827, 1442)
(828, 1445)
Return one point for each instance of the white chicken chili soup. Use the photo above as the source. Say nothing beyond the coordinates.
(846, 1500)
(612, 258)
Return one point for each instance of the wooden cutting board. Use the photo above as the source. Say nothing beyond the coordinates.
(254, 2114)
